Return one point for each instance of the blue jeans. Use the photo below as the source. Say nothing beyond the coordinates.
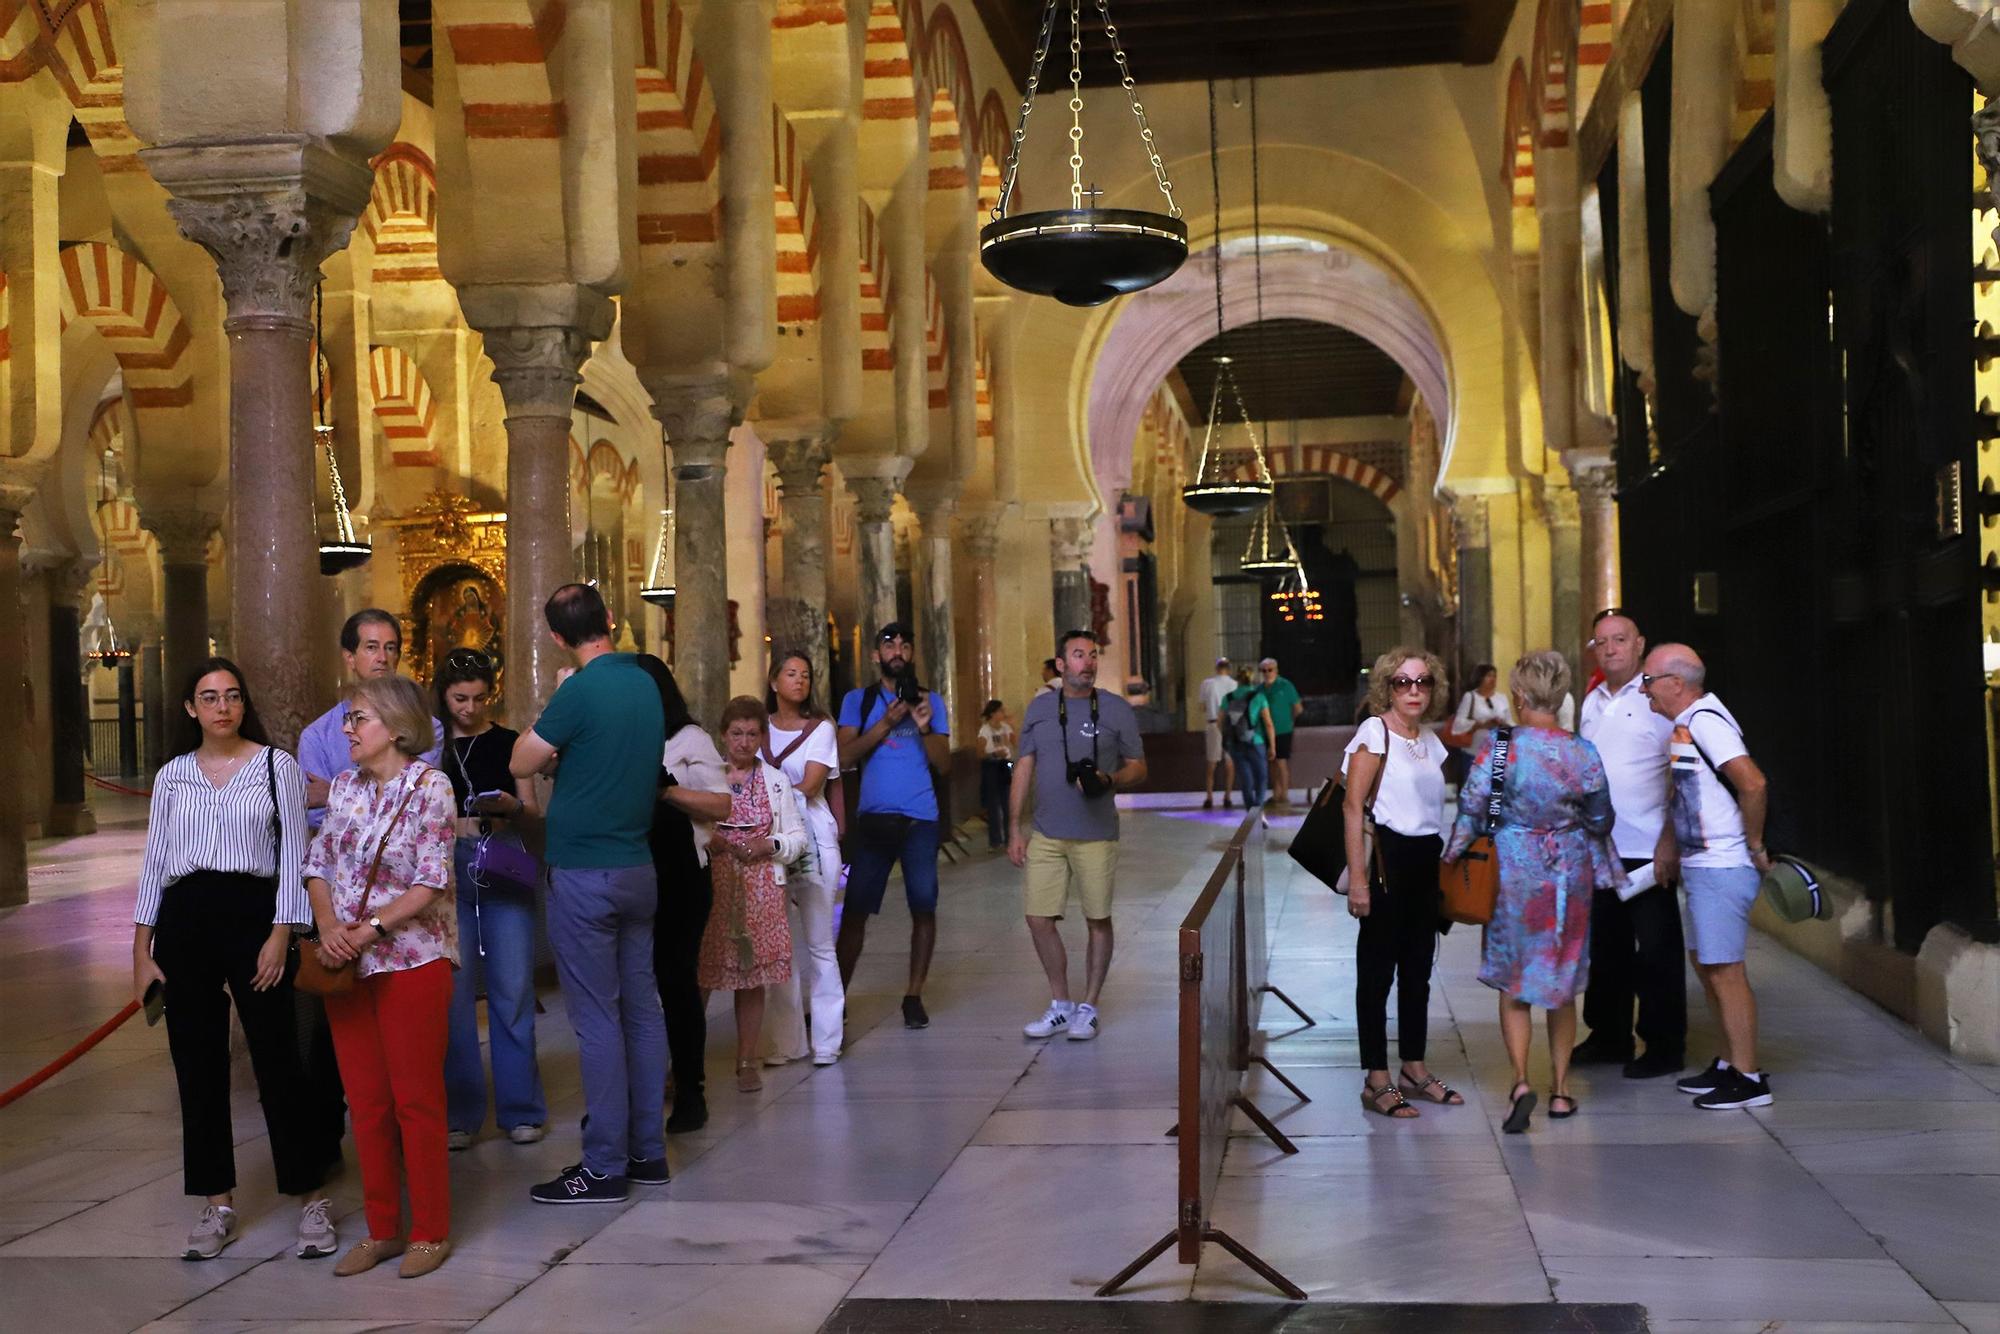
(868, 876)
(496, 939)
(601, 927)
(1253, 773)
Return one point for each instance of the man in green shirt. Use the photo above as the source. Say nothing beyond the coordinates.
(1286, 706)
(607, 725)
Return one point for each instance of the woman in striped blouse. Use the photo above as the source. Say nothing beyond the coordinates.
(219, 893)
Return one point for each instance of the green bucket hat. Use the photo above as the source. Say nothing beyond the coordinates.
(1794, 891)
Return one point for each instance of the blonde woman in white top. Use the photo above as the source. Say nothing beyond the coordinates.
(800, 743)
(1396, 899)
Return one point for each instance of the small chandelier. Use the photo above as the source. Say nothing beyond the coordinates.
(659, 588)
(343, 551)
(1082, 256)
(1221, 489)
(1294, 599)
(1270, 549)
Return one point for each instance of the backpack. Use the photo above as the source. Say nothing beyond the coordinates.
(1236, 717)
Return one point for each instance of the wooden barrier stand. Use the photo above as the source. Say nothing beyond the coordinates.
(1223, 957)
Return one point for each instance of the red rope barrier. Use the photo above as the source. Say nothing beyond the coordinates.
(118, 788)
(62, 1062)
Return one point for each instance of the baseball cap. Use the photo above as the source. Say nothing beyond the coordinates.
(895, 630)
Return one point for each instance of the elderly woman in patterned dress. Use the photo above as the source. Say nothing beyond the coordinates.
(747, 944)
(1553, 848)
(379, 873)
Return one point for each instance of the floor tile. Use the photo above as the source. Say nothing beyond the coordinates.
(1955, 1260)
(713, 1299)
(1873, 1293)
(83, 1296)
(465, 1288)
(696, 1232)
(1057, 1125)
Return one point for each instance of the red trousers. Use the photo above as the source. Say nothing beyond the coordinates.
(389, 1034)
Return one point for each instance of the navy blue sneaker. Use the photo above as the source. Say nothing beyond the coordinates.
(580, 1185)
(647, 1171)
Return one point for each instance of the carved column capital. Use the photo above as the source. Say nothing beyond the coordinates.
(538, 367)
(68, 581)
(1070, 541)
(800, 464)
(1595, 483)
(935, 503)
(874, 498)
(19, 479)
(1559, 504)
(980, 531)
(269, 211)
(1475, 531)
(183, 535)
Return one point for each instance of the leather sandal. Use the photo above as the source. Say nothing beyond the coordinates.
(1444, 1096)
(1555, 1098)
(1518, 1114)
(747, 1078)
(1396, 1107)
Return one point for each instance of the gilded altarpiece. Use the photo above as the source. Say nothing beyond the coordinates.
(454, 566)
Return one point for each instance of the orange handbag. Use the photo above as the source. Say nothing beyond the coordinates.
(1471, 885)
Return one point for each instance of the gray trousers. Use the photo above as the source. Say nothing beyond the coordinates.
(601, 928)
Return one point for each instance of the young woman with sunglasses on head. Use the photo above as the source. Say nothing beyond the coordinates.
(800, 743)
(219, 892)
(496, 914)
(1398, 760)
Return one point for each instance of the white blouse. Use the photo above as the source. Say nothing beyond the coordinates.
(1410, 798)
(197, 826)
(691, 757)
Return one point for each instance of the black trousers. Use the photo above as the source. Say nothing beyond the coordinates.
(686, 895)
(1397, 945)
(996, 779)
(210, 927)
(1636, 952)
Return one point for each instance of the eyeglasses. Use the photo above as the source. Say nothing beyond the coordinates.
(210, 699)
(352, 722)
(1401, 683)
(1647, 678)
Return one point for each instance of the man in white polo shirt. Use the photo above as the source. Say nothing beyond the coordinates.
(1635, 944)
(1214, 691)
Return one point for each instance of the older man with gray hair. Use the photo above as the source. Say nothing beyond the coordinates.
(1714, 844)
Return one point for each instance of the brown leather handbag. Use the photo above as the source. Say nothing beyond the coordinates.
(1471, 885)
(316, 978)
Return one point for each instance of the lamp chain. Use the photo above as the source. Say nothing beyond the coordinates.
(1027, 105)
(1138, 108)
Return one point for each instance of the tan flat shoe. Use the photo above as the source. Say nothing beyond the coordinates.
(423, 1257)
(365, 1255)
(747, 1078)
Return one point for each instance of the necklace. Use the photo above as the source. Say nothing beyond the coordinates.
(214, 774)
(1412, 744)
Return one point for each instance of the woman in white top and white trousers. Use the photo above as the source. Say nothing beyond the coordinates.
(801, 743)
(1397, 897)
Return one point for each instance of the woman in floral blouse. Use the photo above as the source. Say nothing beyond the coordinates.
(379, 872)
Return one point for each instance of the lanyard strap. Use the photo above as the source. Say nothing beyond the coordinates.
(1062, 725)
(1503, 740)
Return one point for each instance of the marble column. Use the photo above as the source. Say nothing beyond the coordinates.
(153, 703)
(937, 645)
(14, 760)
(183, 538)
(798, 619)
(1597, 539)
(69, 708)
(875, 484)
(538, 339)
(1475, 583)
(269, 211)
(1566, 610)
(1070, 541)
(697, 411)
(982, 548)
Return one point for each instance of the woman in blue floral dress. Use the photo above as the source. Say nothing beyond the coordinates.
(1553, 847)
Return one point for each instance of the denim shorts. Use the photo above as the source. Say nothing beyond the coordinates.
(1715, 908)
(868, 875)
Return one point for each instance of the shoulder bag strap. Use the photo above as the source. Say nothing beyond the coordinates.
(778, 761)
(1375, 783)
(368, 894)
(1503, 744)
(277, 824)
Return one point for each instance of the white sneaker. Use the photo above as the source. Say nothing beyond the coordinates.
(827, 1058)
(1054, 1020)
(216, 1228)
(457, 1141)
(527, 1134)
(1083, 1024)
(316, 1235)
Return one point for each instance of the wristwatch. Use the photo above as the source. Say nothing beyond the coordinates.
(380, 930)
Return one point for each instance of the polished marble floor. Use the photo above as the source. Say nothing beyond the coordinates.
(965, 1163)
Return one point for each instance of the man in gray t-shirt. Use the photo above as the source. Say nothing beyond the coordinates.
(1078, 744)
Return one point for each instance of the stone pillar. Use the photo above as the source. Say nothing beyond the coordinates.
(1635, 273)
(538, 338)
(1704, 106)
(14, 763)
(1070, 541)
(1802, 127)
(69, 707)
(183, 537)
(697, 412)
(937, 643)
(1597, 524)
(154, 701)
(269, 211)
(128, 717)
(1566, 610)
(798, 619)
(982, 548)
(874, 483)
(1475, 584)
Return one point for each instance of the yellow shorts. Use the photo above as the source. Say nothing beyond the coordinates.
(1058, 865)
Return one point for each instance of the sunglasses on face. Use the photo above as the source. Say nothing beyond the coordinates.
(1647, 678)
(1401, 683)
(210, 699)
(468, 657)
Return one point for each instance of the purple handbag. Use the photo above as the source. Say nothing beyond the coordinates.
(499, 859)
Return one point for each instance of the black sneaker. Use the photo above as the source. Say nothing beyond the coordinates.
(1708, 1080)
(690, 1114)
(1652, 1065)
(1599, 1050)
(1737, 1090)
(647, 1171)
(579, 1185)
(914, 1014)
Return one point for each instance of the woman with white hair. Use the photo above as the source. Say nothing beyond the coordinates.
(1552, 843)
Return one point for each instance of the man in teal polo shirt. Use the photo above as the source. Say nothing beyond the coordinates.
(607, 726)
(1286, 706)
